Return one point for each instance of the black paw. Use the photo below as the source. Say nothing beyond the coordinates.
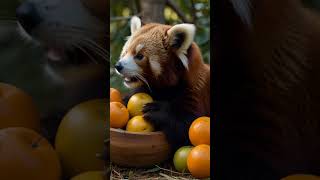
(125, 99)
(157, 113)
(166, 118)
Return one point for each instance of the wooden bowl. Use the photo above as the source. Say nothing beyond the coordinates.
(131, 149)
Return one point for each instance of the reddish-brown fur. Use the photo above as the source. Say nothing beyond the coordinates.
(267, 90)
(180, 94)
(197, 78)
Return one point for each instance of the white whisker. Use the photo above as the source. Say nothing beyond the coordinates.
(82, 49)
(96, 45)
(98, 51)
(90, 44)
(24, 36)
(139, 76)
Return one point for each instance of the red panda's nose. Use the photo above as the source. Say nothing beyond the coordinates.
(118, 66)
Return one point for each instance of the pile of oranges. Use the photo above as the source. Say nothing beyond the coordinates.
(24, 144)
(21, 141)
(196, 158)
(129, 118)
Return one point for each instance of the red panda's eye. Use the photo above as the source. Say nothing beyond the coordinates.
(139, 56)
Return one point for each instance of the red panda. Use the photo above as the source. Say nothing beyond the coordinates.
(164, 61)
(266, 91)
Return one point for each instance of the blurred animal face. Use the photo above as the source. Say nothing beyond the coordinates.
(64, 26)
(73, 34)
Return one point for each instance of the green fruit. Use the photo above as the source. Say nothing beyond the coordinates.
(180, 158)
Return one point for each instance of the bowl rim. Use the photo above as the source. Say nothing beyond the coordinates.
(136, 133)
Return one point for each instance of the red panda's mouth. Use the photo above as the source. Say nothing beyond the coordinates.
(60, 55)
(131, 79)
(55, 54)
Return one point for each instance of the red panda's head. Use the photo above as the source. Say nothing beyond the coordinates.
(155, 54)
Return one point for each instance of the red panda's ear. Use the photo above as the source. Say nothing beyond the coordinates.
(135, 24)
(180, 38)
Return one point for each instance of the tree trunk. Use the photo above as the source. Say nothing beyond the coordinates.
(152, 10)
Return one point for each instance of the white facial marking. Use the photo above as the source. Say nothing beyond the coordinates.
(139, 47)
(129, 64)
(23, 33)
(53, 74)
(155, 65)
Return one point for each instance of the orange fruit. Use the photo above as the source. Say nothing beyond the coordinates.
(198, 161)
(301, 177)
(17, 108)
(136, 103)
(119, 115)
(80, 137)
(139, 124)
(115, 95)
(199, 131)
(25, 154)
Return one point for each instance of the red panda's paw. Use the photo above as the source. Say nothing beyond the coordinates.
(157, 113)
(165, 117)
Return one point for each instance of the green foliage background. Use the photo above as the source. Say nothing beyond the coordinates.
(121, 12)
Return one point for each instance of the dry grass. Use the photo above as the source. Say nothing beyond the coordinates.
(163, 172)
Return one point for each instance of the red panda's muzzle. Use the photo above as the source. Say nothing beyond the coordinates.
(130, 71)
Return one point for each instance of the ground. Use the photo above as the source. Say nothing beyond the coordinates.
(162, 172)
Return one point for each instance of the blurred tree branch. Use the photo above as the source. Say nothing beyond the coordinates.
(121, 18)
(179, 12)
(193, 12)
(150, 11)
(136, 7)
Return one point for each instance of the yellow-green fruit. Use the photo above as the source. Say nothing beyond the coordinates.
(80, 137)
(89, 175)
(139, 124)
(180, 158)
(136, 103)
